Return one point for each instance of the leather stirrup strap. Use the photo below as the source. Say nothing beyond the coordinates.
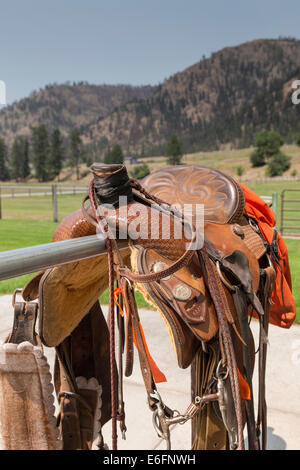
(215, 287)
(121, 404)
(241, 305)
(68, 416)
(261, 424)
(111, 315)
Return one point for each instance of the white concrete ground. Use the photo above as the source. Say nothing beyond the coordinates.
(283, 386)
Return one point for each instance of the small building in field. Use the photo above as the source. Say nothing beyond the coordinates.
(131, 161)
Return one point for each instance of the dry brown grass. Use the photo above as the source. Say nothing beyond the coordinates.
(228, 160)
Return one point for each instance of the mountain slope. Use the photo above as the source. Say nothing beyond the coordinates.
(66, 106)
(200, 98)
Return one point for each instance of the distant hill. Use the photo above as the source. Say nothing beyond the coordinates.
(66, 106)
(226, 98)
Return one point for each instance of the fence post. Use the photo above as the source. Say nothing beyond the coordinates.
(54, 202)
(275, 204)
(282, 211)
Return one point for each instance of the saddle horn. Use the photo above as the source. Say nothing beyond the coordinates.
(127, 211)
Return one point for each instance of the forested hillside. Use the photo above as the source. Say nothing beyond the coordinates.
(225, 98)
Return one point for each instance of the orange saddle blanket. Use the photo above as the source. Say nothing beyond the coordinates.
(283, 309)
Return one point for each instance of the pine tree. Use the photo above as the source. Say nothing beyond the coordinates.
(57, 153)
(40, 147)
(115, 155)
(174, 152)
(25, 159)
(140, 171)
(15, 158)
(4, 172)
(107, 155)
(76, 150)
(19, 158)
(297, 139)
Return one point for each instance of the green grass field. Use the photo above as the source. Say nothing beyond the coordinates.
(39, 207)
(294, 259)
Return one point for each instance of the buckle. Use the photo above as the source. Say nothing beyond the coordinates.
(254, 225)
(16, 291)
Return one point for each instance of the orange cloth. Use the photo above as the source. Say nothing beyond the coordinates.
(244, 387)
(283, 310)
(158, 375)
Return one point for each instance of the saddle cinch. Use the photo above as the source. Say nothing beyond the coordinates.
(205, 271)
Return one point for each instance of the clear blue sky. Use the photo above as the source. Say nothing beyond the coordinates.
(126, 41)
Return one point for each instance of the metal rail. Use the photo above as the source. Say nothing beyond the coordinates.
(15, 263)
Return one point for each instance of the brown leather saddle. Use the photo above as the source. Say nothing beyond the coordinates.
(185, 296)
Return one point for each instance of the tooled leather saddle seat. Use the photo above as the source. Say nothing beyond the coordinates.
(222, 197)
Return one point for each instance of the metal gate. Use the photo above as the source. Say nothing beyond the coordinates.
(289, 207)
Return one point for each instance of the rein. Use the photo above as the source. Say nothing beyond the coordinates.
(111, 321)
